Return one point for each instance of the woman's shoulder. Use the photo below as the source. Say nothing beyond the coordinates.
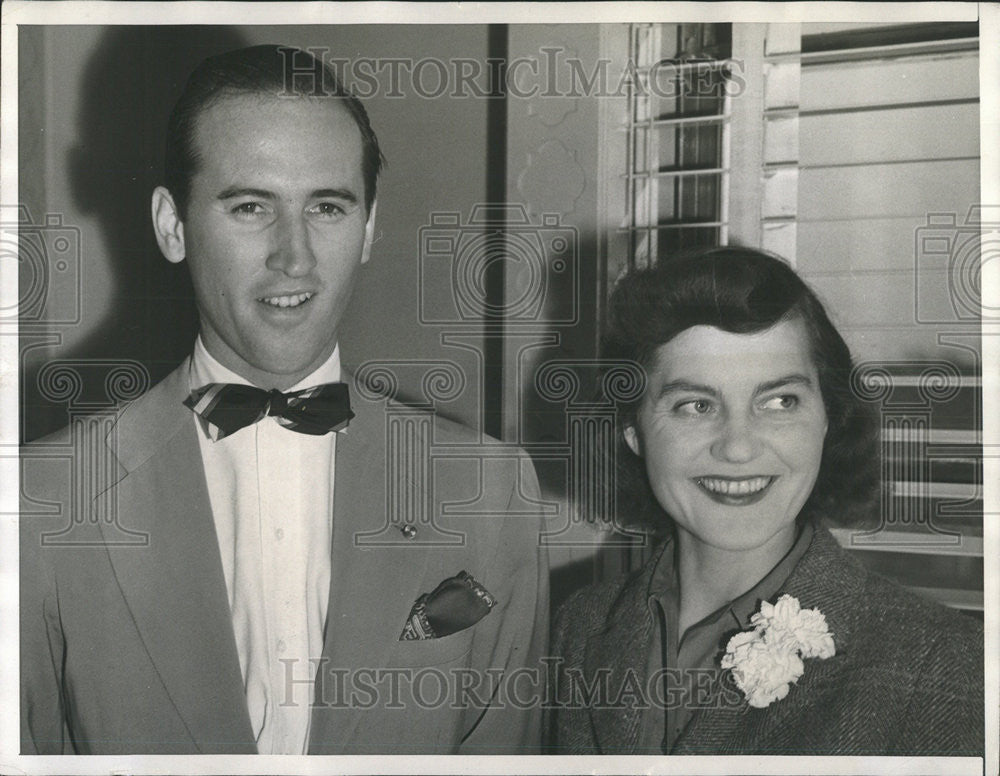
(888, 620)
(918, 624)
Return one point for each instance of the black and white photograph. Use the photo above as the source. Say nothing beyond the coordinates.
(499, 388)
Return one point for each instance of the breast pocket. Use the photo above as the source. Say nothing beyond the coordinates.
(433, 652)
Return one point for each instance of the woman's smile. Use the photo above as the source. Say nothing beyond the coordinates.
(735, 491)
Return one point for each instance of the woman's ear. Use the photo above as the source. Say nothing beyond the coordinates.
(632, 439)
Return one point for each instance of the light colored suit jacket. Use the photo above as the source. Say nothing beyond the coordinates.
(129, 647)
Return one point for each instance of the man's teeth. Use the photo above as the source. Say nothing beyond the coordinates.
(735, 487)
(286, 301)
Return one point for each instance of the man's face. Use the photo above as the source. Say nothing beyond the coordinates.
(275, 232)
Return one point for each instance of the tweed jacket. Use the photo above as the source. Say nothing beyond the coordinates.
(127, 642)
(907, 678)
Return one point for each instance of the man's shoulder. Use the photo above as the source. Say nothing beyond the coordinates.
(95, 444)
(166, 392)
(446, 429)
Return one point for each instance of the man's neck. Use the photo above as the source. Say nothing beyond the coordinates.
(207, 367)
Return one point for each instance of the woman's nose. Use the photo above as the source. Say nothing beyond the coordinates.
(737, 441)
(291, 252)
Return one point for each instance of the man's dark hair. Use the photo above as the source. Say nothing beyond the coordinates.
(742, 291)
(278, 71)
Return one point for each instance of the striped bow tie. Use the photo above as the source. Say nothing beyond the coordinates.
(228, 407)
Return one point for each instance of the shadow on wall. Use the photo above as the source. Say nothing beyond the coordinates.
(130, 84)
(559, 388)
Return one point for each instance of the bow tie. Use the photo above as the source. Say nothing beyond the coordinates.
(228, 407)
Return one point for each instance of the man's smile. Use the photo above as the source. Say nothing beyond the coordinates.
(290, 300)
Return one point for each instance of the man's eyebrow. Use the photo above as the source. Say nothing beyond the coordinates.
(345, 194)
(792, 379)
(235, 191)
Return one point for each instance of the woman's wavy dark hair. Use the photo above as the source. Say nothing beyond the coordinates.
(742, 291)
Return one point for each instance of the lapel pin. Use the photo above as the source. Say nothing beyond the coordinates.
(408, 531)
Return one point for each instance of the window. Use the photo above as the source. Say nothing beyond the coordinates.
(677, 138)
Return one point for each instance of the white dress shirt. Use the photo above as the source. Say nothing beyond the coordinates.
(271, 491)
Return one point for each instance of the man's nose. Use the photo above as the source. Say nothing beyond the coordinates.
(737, 441)
(291, 252)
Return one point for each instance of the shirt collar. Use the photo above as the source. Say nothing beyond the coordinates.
(663, 583)
(205, 369)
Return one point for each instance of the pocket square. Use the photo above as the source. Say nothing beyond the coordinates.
(457, 603)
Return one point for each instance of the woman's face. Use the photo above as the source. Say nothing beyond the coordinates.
(731, 430)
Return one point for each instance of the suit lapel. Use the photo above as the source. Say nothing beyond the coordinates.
(371, 585)
(820, 580)
(174, 586)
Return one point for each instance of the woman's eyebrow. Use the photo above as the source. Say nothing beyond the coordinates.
(792, 379)
(686, 385)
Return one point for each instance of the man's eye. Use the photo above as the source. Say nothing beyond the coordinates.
(787, 401)
(694, 407)
(247, 209)
(329, 209)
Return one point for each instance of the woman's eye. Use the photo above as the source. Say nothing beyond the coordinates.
(694, 407)
(788, 401)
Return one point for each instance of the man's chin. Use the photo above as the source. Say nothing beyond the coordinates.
(282, 369)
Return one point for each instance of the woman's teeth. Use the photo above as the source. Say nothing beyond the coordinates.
(286, 301)
(745, 487)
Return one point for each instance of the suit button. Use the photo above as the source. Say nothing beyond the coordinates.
(280, 534)
(281, 645)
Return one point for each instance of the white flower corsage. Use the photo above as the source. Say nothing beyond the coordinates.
(767, 660)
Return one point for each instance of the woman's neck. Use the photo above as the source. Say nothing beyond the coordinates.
(711, 577)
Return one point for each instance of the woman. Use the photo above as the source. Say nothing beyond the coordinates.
(750, 631)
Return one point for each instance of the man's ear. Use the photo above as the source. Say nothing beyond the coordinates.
(168, 225)
(632, 440)
(369, 234)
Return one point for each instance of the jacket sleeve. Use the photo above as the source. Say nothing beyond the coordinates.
(43, 726)
(511, 721)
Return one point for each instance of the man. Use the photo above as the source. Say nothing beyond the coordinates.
(259, 615)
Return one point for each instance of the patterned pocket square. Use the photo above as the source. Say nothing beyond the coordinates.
(456, 604)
